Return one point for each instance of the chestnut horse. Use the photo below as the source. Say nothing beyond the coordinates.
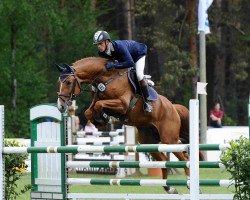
(167, 123)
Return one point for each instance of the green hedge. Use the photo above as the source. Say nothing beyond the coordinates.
(14, 166)
(237, 162)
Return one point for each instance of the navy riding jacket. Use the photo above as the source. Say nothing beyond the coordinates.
(126, 52)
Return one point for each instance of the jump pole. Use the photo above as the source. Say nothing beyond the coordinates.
(194, 148)
(194, 197)
(249, 116)
(2, 164)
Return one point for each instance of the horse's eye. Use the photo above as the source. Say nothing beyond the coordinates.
(68, 83)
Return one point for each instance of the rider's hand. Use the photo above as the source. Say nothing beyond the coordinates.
(109, 65)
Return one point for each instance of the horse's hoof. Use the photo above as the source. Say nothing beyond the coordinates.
(173, 191)
(199, 189)
(97, 118)
(170, 190)
(105, 117)
(100, 118)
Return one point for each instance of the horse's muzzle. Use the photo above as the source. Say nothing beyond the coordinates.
(61, 107)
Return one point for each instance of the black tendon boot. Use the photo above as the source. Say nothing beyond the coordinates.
(144, 88)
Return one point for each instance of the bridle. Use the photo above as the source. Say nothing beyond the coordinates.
(70, 97)
(67, 99)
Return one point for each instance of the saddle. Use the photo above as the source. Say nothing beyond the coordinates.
(135, 84)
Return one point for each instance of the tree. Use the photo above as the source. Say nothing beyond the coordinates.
(168, 56)
(228, 62)
(29, 51)
(18, 69)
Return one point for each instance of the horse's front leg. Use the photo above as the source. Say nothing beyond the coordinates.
(89, 112)
(115, 105)
(98, 120)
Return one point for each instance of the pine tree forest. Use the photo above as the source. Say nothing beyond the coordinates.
(37, 34)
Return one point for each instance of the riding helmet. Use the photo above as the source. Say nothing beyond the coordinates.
(100, 36)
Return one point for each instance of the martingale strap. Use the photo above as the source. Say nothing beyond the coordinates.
(101, 87)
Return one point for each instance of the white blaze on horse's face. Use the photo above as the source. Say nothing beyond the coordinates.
(68, 91)
(60, 104)
(61, 100)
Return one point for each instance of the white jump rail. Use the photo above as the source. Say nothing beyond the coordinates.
(194, 165)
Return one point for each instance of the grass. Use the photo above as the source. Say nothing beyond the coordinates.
(204, 174)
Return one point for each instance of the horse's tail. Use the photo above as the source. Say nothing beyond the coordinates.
(184, 130)
(184, 116)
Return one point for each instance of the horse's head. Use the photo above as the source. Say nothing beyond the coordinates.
(86, 71)
(69, 87)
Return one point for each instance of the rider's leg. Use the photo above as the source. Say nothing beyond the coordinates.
(144, 88)
(139, 66)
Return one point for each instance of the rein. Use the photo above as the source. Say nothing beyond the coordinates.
(100, 87)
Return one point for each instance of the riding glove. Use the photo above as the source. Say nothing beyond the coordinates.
(109, 65)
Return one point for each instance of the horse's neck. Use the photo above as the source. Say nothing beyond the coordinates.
(111, 75)
(88, 69)
(89, 74)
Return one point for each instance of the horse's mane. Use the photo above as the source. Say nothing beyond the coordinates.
(90, 61)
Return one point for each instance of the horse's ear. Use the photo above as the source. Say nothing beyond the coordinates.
(60, 69)
(69, 68)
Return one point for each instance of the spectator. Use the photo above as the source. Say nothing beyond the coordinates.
(216, 115)
(90, 127)
(74, 119)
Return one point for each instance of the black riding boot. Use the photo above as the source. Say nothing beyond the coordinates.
(144, 88)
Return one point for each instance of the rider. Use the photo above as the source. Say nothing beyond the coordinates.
(126, 53)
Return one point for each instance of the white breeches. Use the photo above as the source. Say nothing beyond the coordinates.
(139, 67)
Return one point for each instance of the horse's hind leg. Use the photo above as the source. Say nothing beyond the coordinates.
(183, 157)
(150, 135)
(159, 156)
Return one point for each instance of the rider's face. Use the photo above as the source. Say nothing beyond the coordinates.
(102, 46)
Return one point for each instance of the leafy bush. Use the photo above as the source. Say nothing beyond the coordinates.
(14, 165)
(237, 162)
(228, 121)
